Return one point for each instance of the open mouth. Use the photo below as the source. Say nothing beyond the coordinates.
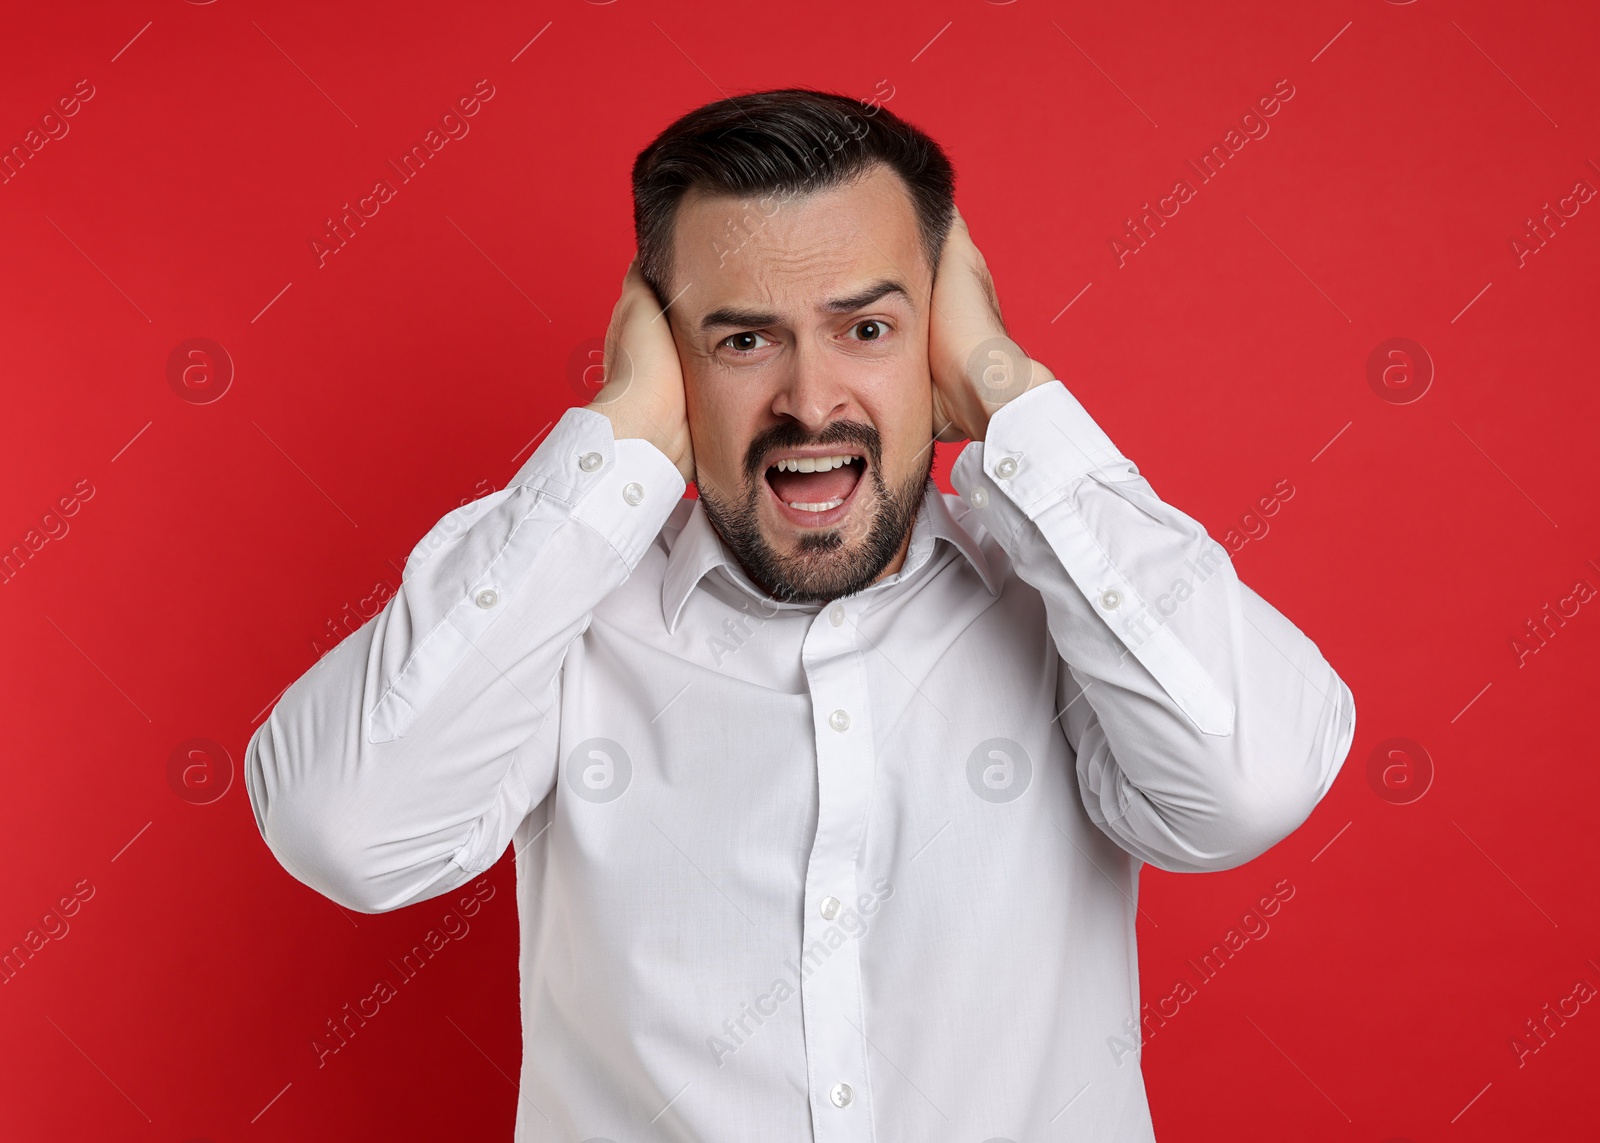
(815, 490)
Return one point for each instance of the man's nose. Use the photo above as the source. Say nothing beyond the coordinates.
(813, 391)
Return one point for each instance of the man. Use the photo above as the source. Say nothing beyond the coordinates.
(828, 791)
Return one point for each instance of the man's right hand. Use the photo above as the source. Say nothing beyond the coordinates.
(643, 391)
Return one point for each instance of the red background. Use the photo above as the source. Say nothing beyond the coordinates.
(225, 538)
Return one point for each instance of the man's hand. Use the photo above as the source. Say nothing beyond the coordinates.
(643, 391)
(976, 367)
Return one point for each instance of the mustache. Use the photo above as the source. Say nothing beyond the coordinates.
(790, 435)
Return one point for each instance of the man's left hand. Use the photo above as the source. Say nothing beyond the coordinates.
(976, 366)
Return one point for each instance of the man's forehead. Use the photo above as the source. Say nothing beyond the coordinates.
(832, 251)
(769, 311)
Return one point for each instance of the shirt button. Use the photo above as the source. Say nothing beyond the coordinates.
(841, 1095)
(839, 720)
(487, 598)
(836, 615)
(590, 461)
(978, 497)
(830, 908)
(1110, 599)
(633, 494)
(1007, 468)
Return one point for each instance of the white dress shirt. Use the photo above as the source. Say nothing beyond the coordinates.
(863, 870)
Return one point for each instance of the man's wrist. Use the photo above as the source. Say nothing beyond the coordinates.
(629, 423)
(1039, 374)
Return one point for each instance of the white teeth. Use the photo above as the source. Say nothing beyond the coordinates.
(824, 506)
(813, 463)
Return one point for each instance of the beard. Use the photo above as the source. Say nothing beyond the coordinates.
(825, 564)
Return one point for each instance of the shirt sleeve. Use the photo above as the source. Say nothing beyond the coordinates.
(1206, 725)
(399, 765)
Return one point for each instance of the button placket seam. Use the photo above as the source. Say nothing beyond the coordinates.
(832, 885)
(449, 617)
(1163, 643)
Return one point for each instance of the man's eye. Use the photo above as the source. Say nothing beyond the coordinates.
(743, 342)
(871, 330)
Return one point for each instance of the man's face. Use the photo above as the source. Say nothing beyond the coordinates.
(802, 328)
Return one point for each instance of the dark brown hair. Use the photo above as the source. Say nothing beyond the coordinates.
(784, 142)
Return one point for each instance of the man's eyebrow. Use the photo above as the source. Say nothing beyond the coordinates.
(756, 319)
(866, 297)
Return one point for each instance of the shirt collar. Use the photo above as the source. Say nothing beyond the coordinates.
(699, 550)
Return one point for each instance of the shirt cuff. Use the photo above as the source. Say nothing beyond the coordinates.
(623, 489)
(473, 563)
(1037, 445)
(1046, 461)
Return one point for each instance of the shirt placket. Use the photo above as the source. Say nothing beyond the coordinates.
(829, 969)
